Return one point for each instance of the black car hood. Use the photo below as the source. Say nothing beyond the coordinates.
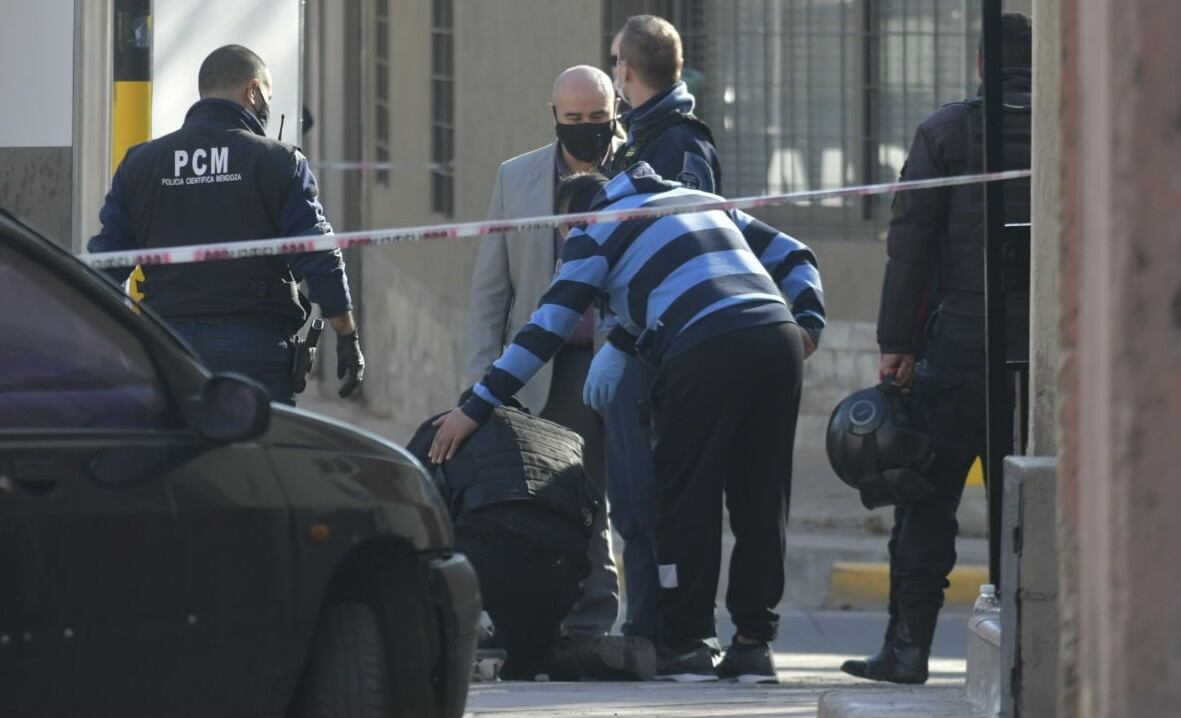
(299, 428)
(405, 502)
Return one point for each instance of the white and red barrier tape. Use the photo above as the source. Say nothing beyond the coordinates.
(348, 240)
(377, 166)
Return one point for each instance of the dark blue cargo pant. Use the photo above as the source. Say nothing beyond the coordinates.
(950, 386)
(261, 352)
(631, 492)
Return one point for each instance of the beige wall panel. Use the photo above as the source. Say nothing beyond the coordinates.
(508, 53)
(407, 199)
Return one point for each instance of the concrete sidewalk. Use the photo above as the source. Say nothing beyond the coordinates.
(897, 702)
(809, 652)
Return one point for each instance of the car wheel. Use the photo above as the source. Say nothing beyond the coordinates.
(396, 589)
(347, 669)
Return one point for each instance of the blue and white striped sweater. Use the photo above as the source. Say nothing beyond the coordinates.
(667, 275)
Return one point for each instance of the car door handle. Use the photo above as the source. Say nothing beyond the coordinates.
(37, 476)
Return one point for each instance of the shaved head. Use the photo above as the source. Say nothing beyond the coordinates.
(229, 68)
(582, 80)
(583, 94)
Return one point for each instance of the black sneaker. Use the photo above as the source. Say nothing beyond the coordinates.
(748, 663)
(695, 665)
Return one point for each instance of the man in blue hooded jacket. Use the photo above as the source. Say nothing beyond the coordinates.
(662, 132)
(701, 298)
(661, 127)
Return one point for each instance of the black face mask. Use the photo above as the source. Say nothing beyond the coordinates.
(263, 113)
(586, 141)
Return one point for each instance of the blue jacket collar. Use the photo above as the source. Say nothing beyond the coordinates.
(224, 112)
(639, 179)
(675, 99)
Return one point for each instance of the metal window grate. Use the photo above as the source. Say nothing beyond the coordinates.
(442, 107)
(381, 87)
(688, 16)
(813, 94)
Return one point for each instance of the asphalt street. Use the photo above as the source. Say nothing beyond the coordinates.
(809, 652)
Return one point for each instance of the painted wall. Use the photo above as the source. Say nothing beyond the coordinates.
(186, 31)
(1121, 334)
(37, 114)
(36, 185)
(414, 300)
(1047, 226)
(36, 52)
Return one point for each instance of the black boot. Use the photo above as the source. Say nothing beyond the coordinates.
(859, 668)
(899, 661)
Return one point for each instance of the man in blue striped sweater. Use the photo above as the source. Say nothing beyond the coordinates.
(701, 297)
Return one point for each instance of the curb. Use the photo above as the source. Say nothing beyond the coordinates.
(896, 702)
(858, 583)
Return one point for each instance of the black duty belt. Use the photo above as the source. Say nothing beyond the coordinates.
(262, 321)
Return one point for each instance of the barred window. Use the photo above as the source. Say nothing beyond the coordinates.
(688, 16)
(442, 107)
(381, 87)
(819, 94)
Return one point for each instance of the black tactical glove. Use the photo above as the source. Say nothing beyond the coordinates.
(350, 361)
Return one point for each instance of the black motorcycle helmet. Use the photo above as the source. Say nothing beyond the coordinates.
(877, 445)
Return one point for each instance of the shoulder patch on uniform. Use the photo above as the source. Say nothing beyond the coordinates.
(689, 180)
(696, 173)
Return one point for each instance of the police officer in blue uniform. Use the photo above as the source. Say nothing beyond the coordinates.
(936, 259)
(220, 179)
(661, 127)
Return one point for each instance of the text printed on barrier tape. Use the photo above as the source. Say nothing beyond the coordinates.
(348, 240)
(379, 166)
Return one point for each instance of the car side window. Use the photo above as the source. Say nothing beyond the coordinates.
(65, 363)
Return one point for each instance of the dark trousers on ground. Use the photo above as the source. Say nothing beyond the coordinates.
(529, 580)
(263, 353)
(724, 420)
(631, 488)
(598, 608)
(950, 386)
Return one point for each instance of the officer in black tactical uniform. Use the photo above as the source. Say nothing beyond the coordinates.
(220, 179)
(936, 253)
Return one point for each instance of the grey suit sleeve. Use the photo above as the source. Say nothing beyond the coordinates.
(491, 295)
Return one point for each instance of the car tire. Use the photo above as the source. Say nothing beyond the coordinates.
(397, 590)
(347, 671)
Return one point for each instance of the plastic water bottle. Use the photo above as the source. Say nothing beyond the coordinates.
(988, 601)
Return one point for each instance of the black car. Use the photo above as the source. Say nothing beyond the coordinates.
(171, 543)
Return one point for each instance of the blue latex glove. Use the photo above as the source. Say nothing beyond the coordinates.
(606, 371)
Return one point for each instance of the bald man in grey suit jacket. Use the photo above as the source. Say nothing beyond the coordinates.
(512, 272)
